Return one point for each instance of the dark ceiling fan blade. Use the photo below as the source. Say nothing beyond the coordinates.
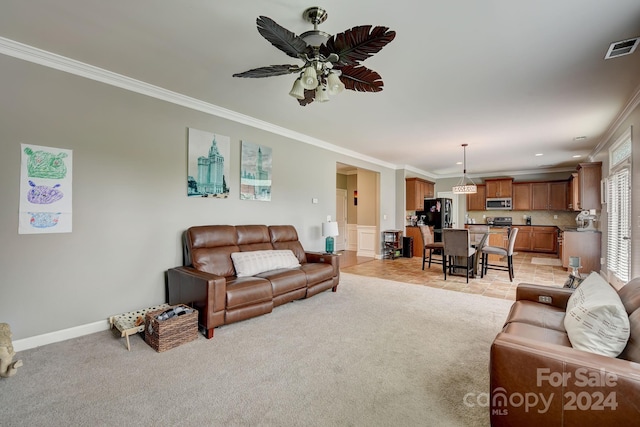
(309, 96)
(271, 70)
(360, 79)
(357, 44)
(281, 38)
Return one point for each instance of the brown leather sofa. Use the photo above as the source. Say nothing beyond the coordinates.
(208, 280)
(538, 379)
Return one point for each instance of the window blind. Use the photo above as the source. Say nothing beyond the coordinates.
(619, 226)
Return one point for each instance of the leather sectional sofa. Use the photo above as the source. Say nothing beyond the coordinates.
(539, 379)
(208, 280)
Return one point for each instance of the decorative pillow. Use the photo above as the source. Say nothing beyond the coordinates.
(596, 320)
(255, 262)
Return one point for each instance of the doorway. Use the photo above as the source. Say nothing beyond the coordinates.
(341, 219)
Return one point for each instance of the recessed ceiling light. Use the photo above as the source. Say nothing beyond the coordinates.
(576, 156)
(538, 154)
(579, 138)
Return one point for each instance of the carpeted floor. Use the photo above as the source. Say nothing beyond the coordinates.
(376, 353)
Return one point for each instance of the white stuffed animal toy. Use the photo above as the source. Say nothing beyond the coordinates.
(7, 366)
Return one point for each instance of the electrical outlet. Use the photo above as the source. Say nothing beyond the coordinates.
(484, 217)
(555, 217)
(545, 299)
(328, 218)
(384, 217)
(314, 201)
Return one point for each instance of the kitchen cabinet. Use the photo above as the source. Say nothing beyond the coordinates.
(558, 196)
(584, 244)
(416, 191)
(549, 196)
(521, 196)
(536, 239)
(414, 232)
(476, 201)
(588, 186)
(544, 239)
(501, 187)
(523, 239)
(573, 193)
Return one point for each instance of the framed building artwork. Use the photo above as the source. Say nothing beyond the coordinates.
(45, 190)
(255, 172)
(208, 168)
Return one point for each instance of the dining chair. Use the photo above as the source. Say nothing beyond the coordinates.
(457, 244)
(498, 250)
(429, 244)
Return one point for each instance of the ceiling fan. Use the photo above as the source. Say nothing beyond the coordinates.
(331, 63)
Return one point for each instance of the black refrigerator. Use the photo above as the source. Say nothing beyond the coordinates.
(437, 213)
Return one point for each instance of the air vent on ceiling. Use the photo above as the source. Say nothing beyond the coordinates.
(625, 47)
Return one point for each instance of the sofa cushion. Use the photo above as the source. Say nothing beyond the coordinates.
(537, 333)
(533, 313)
(632, 350)
(317, 272)
(285, 280)
(247, 291)
(255, 262)
(630, 295)
(596, 321)
(286, 237)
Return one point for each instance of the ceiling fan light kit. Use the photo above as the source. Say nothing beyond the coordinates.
(466, 185)
(331, 63)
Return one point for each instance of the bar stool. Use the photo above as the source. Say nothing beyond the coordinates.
(497, 250)
(429, 243)
(457, 244)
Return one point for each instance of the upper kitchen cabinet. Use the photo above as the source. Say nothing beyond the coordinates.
(521, 196)
(476, 201)
(588, 186)
(418, 190)
(549, 195)
(499, 187)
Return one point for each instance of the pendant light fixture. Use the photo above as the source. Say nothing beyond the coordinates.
(466, 185)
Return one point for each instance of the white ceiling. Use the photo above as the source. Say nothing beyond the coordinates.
(509, 78)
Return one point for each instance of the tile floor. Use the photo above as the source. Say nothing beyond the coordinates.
(494, 284)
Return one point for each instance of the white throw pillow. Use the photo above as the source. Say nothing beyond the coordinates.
(255, 262)
(596, 320)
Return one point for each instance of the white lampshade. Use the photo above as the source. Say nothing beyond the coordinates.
(335, 84)
(297, 91)
(465, 189)
(309, 78)
(322, 94)
(329, 229)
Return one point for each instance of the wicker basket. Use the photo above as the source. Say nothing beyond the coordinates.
(164, 335)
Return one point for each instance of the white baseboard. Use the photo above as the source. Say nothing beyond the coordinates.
(57, 336)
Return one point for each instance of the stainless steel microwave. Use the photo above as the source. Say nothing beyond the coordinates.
(499, 204)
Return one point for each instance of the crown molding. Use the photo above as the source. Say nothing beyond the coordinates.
(633, 103)
(58, 62)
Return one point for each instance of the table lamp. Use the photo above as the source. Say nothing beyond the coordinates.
(329, 230)
(574, 264)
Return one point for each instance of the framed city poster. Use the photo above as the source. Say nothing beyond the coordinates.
(255, 172)
(208, 169)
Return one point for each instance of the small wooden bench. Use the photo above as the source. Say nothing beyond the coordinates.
(132, 322)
